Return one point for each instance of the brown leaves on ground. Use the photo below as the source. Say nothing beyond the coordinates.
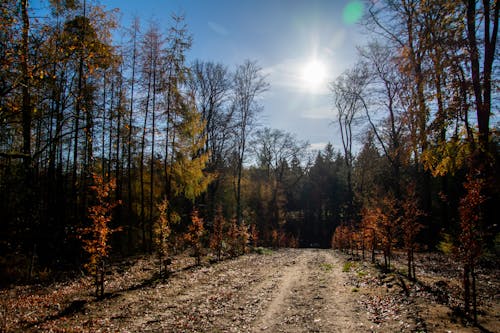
(289, 290)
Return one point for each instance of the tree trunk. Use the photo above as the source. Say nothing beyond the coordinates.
(466, 285)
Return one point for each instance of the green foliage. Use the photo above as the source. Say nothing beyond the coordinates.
(263, 250)
(326, 267)
(447, 244)
(347, 266)
(361, 273)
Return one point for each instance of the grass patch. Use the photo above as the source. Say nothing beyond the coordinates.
(326, 267)
(361, 273)
(263, 250)
(347, 266)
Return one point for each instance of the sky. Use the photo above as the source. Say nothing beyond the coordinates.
(301, 45)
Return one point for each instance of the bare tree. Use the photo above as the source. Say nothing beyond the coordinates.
(385, 95)
(347, 90)
(210, 83)
(249, 84)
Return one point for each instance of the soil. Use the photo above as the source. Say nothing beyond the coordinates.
(290, 290)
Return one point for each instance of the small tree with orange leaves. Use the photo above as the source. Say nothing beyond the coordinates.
(388, 223)
(254, 235)
(237, 238)
(369, 227)
(217, 237)
(470, 238)
(384, 219)
(194, 236)
(342, 237)
(243, 238)
(96, 236)
(410, 227)
(162, 231)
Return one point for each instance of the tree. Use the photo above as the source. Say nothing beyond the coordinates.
(382, 217)
(194, 236)
(385, 101)
(481, 75)
(346, 92)
(275, 151)
(218, 233)
(210, 84)
(249, 84)
(162, 231)
(471, 237)
(96, 236)
(410, 227)
(151, 43)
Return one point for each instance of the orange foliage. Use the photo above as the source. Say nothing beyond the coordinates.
(410, 227)
(217, 237)
(237, 238)
(341, 239)
(254, 235)
(194, 236)
(95, 237)
(470, 238)
(162, 233)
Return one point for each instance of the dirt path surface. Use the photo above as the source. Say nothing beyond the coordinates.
(290, 290)
(301, 290)
(311, 296)
(287, 291)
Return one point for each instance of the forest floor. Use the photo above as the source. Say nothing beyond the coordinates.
(289, 290)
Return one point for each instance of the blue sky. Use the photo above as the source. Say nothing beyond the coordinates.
(285, 37)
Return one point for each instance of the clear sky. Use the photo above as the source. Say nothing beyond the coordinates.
(300, 44)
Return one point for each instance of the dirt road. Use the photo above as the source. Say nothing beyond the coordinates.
(285, 291)
(311, 295)
(289, 290)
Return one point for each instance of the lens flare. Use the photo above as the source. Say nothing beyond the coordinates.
(353, 12)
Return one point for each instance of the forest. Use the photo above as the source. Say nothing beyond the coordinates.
(113, 148)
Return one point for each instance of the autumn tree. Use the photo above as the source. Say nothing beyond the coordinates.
(254, 235)
(194, 236)
(210, 84)
(471, 238)
(410, 227)
(217, 237)
(162, 232)
(237, 238)
(96, 237)
(383, 217)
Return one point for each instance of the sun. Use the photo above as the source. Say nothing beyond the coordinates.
(314, 74)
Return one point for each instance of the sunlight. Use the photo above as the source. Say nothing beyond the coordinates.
(314, 75)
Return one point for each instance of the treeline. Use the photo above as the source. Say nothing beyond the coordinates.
(116, 149)
(127, 146)
(427, 173)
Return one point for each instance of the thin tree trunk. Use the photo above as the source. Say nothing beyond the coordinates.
(152, 167)
(141, 166)
(129, 140)
(26, 96)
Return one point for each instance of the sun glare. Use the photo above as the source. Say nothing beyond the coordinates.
(314, 74)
